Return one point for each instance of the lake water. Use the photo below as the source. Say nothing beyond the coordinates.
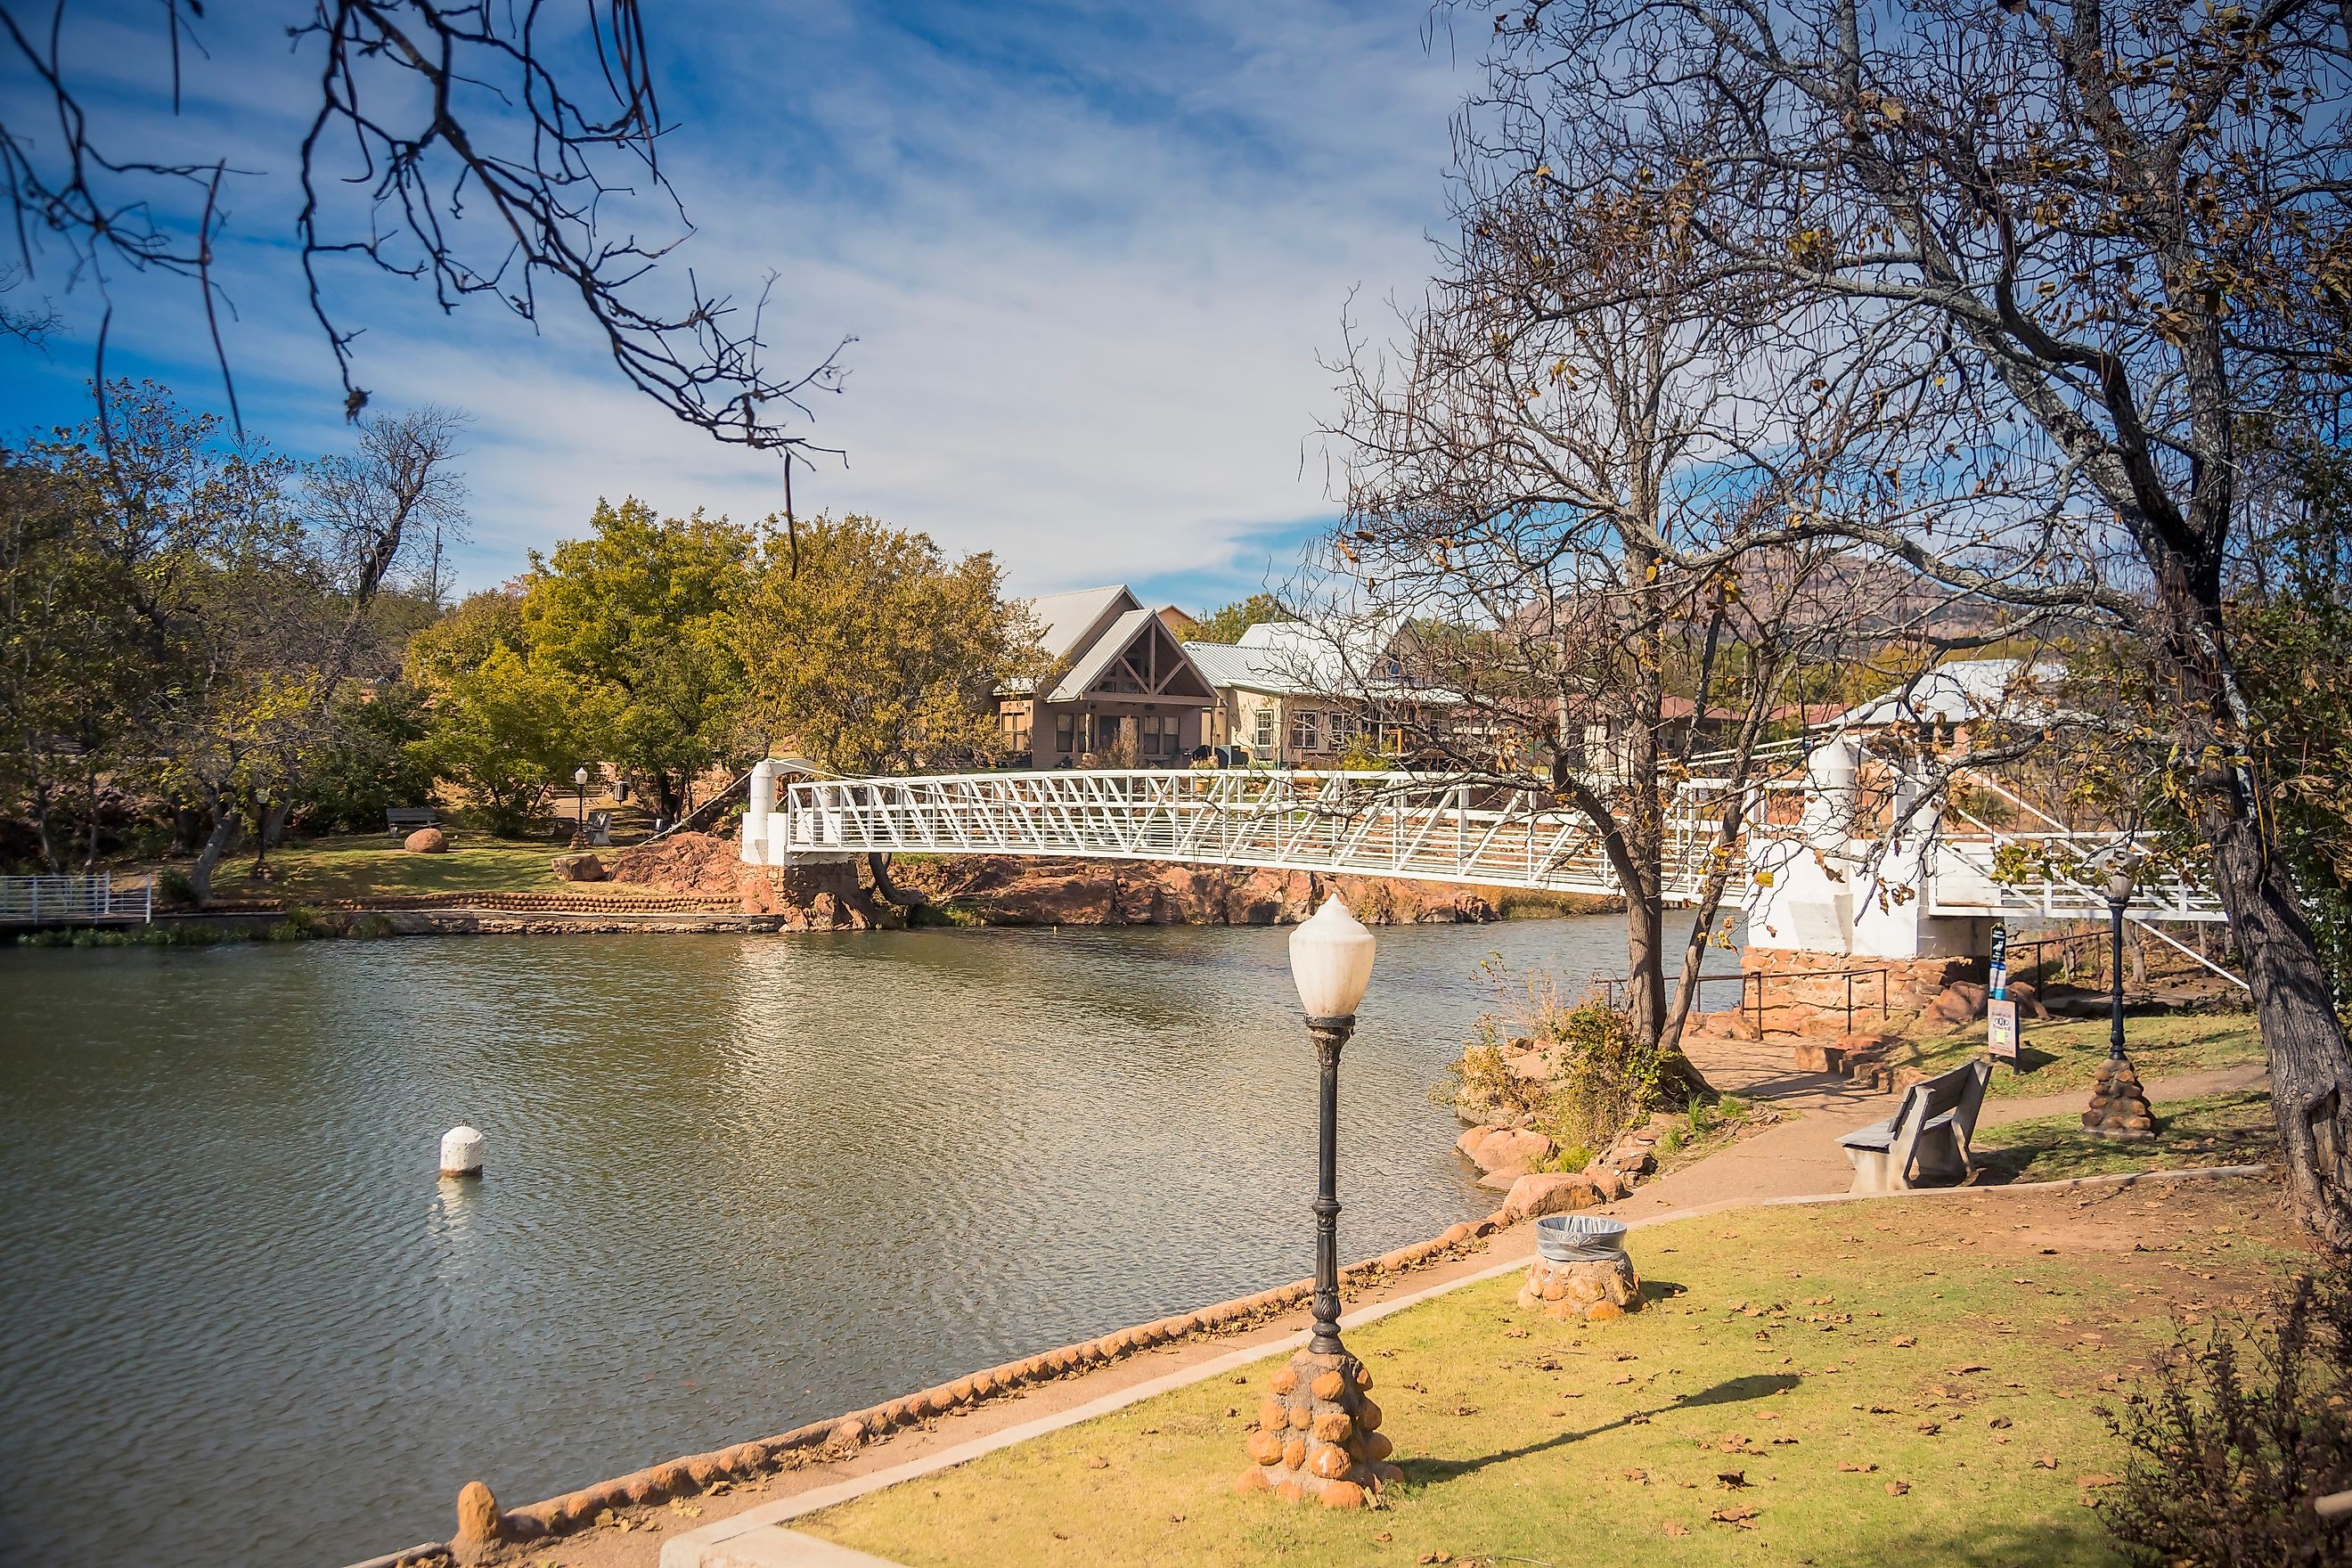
(734, 1184)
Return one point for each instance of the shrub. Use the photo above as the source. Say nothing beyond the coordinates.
(174, 890)
(2232, 1439)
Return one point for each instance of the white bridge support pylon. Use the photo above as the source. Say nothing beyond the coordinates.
(1818, 884)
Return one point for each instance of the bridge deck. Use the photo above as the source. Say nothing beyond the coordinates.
(1421, 826)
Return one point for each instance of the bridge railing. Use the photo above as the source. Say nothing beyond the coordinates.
(1376, 823)
(74, 900)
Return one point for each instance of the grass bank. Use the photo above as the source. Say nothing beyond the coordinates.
(2212, 1130)
(1842, 1385)
(2062, 1056)
(363, 868)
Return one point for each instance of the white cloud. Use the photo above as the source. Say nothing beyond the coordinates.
(1089, 257)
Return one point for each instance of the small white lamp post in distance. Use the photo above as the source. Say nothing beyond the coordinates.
(2119, 1107)
(1318, 1435)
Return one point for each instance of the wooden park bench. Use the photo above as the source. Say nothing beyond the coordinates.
(1929, 1138)
(400, 821)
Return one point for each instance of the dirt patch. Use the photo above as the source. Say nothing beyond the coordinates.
(694, 863)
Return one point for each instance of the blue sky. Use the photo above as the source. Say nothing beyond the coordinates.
(1090, 253)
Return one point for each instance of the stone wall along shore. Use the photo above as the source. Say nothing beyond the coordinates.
(486, 1531)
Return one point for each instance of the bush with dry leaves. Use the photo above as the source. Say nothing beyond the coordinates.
(2233, 1438)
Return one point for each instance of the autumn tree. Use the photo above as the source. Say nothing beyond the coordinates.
(875, 653)
(2091, 254)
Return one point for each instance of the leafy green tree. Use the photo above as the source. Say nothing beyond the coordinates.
(369, 762)
(502, 730)
(1227, 625)
(642, 613)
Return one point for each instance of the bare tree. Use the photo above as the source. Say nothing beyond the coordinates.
(398, 502)
(1552, 483)
(490, 149)
(2095, 253)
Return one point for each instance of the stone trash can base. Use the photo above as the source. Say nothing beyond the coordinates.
(1596, 1290)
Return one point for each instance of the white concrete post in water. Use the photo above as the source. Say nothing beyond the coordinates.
(461, 1152)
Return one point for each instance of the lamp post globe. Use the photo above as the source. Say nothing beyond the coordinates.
(1331, 962)
(580, 801)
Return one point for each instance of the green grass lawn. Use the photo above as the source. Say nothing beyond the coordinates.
(371, 866)
(2060, 1056)
(2212, 1129)
(1850, 1385)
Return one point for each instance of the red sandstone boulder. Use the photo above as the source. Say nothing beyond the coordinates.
(578, 868)
(426, 841)
(1511, 1151)
(1962, 1001)
(1551, 1191)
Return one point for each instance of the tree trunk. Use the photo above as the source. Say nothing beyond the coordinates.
(878, 863)
(217, 843)
(2311, 1067)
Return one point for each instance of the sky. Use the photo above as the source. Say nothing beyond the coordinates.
(1094, 259)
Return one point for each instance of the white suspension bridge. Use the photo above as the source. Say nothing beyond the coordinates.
(1435, 827)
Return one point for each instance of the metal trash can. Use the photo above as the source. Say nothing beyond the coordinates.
(1578, 1237)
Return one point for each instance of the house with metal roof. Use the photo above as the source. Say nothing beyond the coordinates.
(1299, 694)
(1119, 690)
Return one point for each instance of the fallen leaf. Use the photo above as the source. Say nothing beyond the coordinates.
(2045, 1462)
(2095, 1478)
(1967, 1367)
(1931, 1427)
(1385, 1536)
(1732, 1479)
(1641, 1476)
(1904, 1341)
(1745, 1518)
(1098, 1463)
(1858, 1470)
(1896, 1489)
(1997, 1422)
(1676, 1530)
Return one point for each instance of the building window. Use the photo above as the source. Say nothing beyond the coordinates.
(1065, 733)
(1262, 734)
(1016, 727)
(1158, 734)
(1307, 731)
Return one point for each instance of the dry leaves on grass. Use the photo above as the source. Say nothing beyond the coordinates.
(1741, 1518)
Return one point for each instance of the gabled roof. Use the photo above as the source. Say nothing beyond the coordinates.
(1137, 627)
(1067, 618)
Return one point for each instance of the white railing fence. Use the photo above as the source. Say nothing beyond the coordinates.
(74, 900)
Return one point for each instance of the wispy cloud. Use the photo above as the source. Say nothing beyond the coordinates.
(1090, 257)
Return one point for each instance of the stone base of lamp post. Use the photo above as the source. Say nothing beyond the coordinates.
(1594, 1288)
(1319, 1434)
(2119, 1108)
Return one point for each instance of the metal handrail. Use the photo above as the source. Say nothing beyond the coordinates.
(74, 900)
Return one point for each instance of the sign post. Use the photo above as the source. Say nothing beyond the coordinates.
(2000, 1013)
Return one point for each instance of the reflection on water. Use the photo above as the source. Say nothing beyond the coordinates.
(732, 1186)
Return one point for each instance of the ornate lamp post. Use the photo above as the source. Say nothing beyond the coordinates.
(2119, 1108)
(1317, 1435)
(580, 804)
